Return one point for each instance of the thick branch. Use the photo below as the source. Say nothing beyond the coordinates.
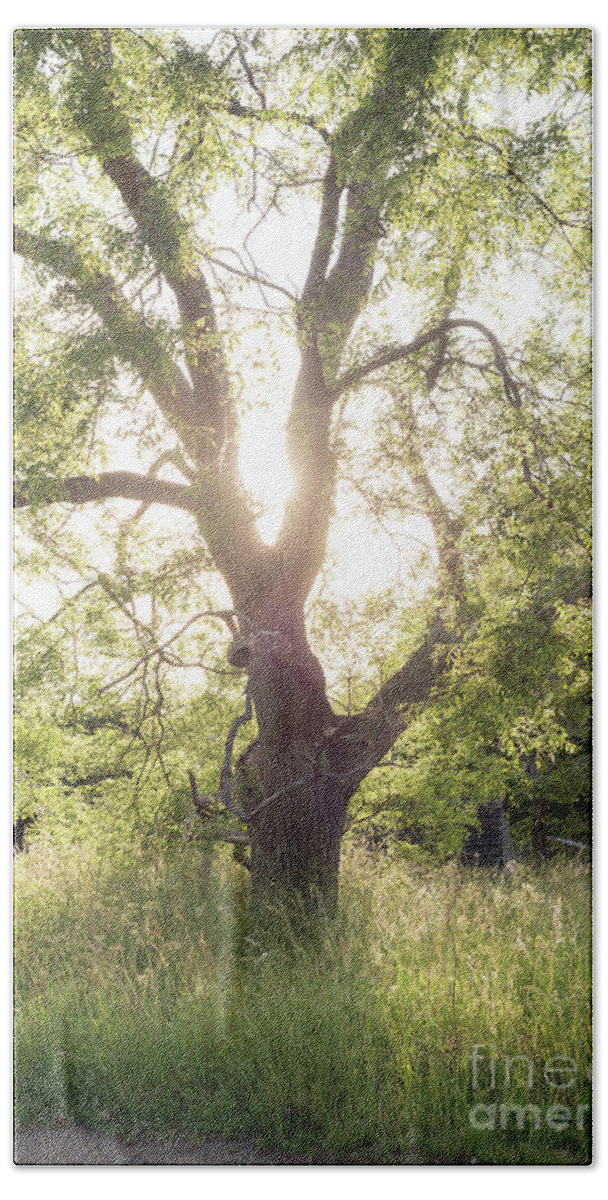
(370, 735)
(384, 358)
(208, 429)
(361, 742)
(146, 199)
(136, 342)
(326, 232)
(124, 485)
(410, 685)
(221, 508)
(349, 280)
(329, 307)
(163, 231)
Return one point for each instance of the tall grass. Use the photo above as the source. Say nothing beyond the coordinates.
(143, 1007)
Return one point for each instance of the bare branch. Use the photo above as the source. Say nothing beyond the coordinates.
(252, 276)
(159, 652)
(236, 109)
(249, 73)
(225, 789)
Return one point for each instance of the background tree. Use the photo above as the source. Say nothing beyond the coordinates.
(446, 171)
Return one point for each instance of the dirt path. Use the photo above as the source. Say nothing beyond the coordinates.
(73, 1145)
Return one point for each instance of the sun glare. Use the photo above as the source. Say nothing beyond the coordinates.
(265, 469)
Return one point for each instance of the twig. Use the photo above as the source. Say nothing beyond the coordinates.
(253, 278)
(202, 807)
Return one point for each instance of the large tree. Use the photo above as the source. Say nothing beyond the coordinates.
(446, 172)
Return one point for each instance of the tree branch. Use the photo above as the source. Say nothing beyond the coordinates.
(326, 232)
(325, 317)
(445, 529)
(124, 485)
(389, 712)
(251, 80)
(392, 354)
(164, 233)
(136, 342)
(562, 222)
(349, 281)
(146, 200)
(359, 743)
(411, 684)
(363, 149)
(236, 109)
(251, 276)
(385, 357)
(208, 428)
(395, 353)
(225, 789)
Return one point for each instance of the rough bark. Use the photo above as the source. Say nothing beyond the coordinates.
(294, 807)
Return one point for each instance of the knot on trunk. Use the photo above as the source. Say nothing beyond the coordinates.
(266, 645)
(240, 651)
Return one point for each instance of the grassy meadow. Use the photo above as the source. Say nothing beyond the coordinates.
(143, 1007)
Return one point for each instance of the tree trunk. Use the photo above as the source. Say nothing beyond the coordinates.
(288, 786)
(539, 843)
(295, 853)
(490, 844)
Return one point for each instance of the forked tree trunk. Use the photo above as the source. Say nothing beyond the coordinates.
(294, 782)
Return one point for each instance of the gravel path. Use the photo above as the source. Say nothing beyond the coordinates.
(73, 1145)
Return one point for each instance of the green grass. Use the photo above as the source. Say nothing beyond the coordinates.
(143, 1008)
